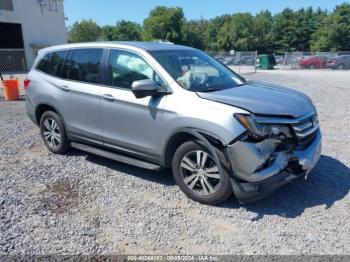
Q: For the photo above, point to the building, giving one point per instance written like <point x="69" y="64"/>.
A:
<point x="27" y="26"/>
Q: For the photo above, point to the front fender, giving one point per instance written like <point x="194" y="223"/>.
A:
<point x="200" y="135"/>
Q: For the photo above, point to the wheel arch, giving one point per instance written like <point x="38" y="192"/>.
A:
<point x="186" y="134"/>
<point x="41" y="109"/>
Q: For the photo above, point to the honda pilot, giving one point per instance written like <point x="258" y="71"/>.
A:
<point x="160" y="105"/>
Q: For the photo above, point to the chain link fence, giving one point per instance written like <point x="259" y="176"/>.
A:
<point x="12" y="61"/>
<point x="246" y="62"/>
<point x="240" y="62"/>
<point x="316" y="60"/>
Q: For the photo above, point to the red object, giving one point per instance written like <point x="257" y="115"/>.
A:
<point x="313" y="62"/>
<point x="11" y="90"/>
<point x="26" y="83"/>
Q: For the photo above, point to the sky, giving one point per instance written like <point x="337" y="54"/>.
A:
<point x="110" y="11"/>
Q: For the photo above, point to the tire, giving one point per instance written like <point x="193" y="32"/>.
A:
<point x="312" y="67"/>
<point x="53" y="133"/>
<point x="341" y="66"/>
<point x="195" y="185"/>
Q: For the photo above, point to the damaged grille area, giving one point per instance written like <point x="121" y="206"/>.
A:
<point x="306" y="130"/>
<point x="290" y="147"/>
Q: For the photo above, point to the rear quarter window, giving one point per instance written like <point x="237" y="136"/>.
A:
<point x="52" y="63"/>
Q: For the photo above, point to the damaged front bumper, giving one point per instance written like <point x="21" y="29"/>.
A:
<point x="261" y="168"/>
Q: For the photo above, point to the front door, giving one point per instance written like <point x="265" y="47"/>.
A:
<point x="130" y="124"/>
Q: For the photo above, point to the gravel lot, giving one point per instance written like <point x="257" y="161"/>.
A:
<point x="84" y="204"/>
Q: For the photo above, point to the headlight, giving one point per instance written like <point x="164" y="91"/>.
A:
<point x="257" y="130"/>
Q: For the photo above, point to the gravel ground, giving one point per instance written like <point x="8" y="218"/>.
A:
<point x="84" y="204"/>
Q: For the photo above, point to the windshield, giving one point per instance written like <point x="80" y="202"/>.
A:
<point x="196" y="71"/>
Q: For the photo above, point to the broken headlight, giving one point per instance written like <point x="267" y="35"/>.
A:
<point x="257" y="130"/>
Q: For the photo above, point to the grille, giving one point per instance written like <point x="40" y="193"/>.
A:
<point x="305" y="131"/>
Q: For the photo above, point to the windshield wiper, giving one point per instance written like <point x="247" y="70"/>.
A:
<point x="209" y="90"/>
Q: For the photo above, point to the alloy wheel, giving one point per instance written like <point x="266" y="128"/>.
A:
<point x="51" y="132"/>
<point x="200" y="172"/>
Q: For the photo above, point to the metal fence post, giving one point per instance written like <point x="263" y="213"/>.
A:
<point x="284" y="60"/>
<point x="255" y="60"/>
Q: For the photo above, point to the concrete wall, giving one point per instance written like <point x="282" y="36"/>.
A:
<point x="43" y="23"/>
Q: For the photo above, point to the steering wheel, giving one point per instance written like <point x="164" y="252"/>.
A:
<point x="201" y="78"/>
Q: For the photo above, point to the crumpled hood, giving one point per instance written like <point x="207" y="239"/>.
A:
<point x="263" y="99"/>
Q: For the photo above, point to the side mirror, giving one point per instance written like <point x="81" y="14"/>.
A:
<point x="143" y="88"/>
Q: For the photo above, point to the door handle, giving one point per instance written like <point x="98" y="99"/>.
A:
<point x="108" y="97"/>
<point x="64" y="88"/>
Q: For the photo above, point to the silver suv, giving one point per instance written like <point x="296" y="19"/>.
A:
<point x="158" y="105"/>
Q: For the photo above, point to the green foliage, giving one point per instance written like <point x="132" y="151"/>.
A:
<point x="212" y="31"/>
<point x="164" y="23"/>
<point x="305" y="27"/>
<point x="236" y="33"/>
<point x="194" y="33"/>
<point x="263" y="35"/>
<point x="122" y="31"/>
<point x="84" y="31"/>
<point x="284" y="31"/>
<point x="334" y="32"/>
<point x="301" y="30"/>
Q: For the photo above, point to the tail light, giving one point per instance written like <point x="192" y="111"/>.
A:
<point x="26" y="83"/>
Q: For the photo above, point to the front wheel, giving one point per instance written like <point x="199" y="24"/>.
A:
<point x="197" y="174"/>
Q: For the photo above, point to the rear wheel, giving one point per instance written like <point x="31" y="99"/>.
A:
<point x="53" y="133"/>
<point x="197" y="174"/>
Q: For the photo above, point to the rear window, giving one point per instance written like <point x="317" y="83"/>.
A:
<point x="52" y="63"/>
<point x="85" y="65"/>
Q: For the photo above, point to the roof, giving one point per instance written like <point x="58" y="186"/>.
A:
<point x="147" y="46"/>
<point x="152" y="46"/>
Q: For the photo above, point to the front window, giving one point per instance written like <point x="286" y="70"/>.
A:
<point x="197" y="71"/>
<point x="125" y="67"/>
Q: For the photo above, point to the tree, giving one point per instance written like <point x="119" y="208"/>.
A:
<point x="284" y="31"/>
<point x="122" y="31"/>
<point x="302" y="30"/>
<point x="164" y="23"/>
<point x="212" y="31"/>
<point x="193" y="33"/>
<point x="334" y="32"/>
<point x="263" y="22"/>
<point x="305" y="27"/>
<point x="85" y="31"/>
<point x="236" y="33"/>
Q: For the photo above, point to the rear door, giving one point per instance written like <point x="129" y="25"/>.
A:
<point x="130" y="124"/>
<point x="80" y="93"/>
